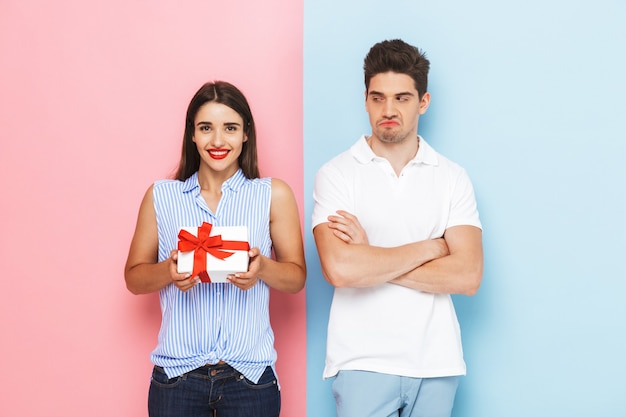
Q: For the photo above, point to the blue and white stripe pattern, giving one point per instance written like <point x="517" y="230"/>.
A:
<point x="216" y="321"/>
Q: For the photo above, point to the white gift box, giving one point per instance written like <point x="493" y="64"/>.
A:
<point x="216" y="268"/>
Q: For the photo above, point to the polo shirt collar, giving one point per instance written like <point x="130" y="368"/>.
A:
<point x="425" y="154"/>
<point x="364" y="154"/>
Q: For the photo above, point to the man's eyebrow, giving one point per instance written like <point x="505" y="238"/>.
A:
<point x="378" y="93"/>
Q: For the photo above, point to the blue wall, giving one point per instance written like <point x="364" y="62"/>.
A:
<point x="530" y="98"/>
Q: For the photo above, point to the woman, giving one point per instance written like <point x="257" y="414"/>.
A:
<point x="215" y="352"/>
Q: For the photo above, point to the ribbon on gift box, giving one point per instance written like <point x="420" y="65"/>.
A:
<point x="203" y="244"/>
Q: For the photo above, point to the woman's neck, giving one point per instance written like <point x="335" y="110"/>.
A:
<point x="212" y="180"/>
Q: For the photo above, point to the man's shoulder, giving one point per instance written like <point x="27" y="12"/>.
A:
<point x="439" y="159"/>
<point x="340" y="159"/>
<point x="449" y="163"/>
<point x="347" y="157"/>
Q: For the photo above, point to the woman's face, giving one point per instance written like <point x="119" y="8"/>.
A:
<point x="219" y="135"/>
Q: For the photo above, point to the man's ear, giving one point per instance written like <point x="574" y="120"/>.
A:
<point x="424" y="103"/>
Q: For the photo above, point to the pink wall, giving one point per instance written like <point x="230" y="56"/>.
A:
<point x="92" y="102"/>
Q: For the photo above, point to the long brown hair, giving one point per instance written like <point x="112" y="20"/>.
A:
<point x="229" y="95"/>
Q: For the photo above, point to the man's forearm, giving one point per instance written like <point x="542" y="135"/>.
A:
<point x="359" y="265"/>
<point x="458" y="273"/>
<point x="451" y="274"/>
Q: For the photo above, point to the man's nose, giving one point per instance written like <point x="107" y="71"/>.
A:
<point x="389" y="108"/>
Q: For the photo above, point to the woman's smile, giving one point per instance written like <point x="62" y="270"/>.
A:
<point x="218" y="153"/>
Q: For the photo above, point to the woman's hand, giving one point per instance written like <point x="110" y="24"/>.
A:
<point x="247" y="280"/>
<point x="183" y="282"/>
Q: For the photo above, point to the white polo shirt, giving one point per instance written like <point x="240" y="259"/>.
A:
<point x="389" y="328"/>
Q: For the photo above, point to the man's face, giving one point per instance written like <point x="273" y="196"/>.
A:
<point x="394" y="107"/>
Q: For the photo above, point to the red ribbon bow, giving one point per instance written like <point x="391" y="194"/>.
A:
<point x="203" y="244"/>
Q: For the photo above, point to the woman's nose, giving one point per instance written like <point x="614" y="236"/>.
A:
<point x="218" y="138"/>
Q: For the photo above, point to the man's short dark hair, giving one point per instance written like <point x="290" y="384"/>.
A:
<point x="399" y="57"/>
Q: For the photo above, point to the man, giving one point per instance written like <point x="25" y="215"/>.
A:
<point x="397" y="232"/>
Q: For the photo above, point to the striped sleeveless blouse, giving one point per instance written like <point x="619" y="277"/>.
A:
<point x="217" y="321"/>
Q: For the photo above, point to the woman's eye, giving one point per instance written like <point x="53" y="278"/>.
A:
<point x="205" y="128"/>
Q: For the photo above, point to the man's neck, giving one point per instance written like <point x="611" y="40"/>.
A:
<point x="398" y="154"/>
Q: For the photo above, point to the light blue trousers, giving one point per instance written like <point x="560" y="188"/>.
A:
<point x="372" y="394"/>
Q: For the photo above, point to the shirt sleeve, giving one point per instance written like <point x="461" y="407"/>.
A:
<point x="463" y="209"/>
<point x="330" y="194"/>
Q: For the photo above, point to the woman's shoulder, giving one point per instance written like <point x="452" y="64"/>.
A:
<point x="281" y="189"/>
<point x="259" y="182"/>
<point x="167" y="181"/>
<point x="167" y="184"/>
<point x="172" y="188"/>
<point x="189" y="183"/>
<point x="276" y="184"/>
<point x="277" y="187"/>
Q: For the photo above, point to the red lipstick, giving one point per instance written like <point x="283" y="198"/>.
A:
<point x="218" y="153"/>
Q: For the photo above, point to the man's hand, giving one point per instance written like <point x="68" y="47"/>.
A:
<point x="346" y="227"/>
<point x="456" y="268"/>
<point x="360" y="264"/>
<point x="439" y="248"/>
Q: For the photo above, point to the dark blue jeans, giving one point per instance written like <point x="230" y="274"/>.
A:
<point x="216" y="390"/>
